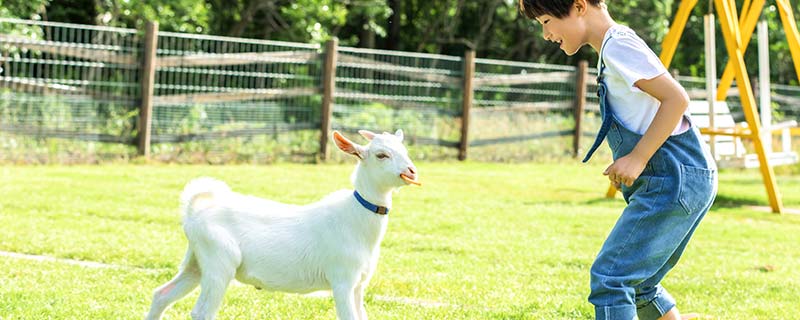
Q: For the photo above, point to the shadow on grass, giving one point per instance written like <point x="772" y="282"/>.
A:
<point x="723" y="201"/>
<point x="605" y="201"/>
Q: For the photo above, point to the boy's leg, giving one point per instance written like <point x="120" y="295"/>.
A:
<point x="652" y="300"/>
<point x="644" y="239"/>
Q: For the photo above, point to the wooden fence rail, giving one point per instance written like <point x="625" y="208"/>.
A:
<point x="466" y="83"/>
<point x="149" y="64"/>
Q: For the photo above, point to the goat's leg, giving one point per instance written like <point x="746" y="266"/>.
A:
<point x="184" y="282"/>
<point x="358" y="296"/>
<point x="212" y="291"/>
<point x="344" y="298"/>
<point x="218" y="259"/>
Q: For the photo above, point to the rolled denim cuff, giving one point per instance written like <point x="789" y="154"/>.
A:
<point x="661" y="304"/>
<point x="626" y="312"/>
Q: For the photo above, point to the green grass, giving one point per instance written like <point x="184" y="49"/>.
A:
<point x="477" y="241"/>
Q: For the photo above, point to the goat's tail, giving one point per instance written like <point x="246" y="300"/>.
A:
<point x="202" y="193"/>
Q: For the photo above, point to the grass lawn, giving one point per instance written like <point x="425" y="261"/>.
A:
<point x="477" y="241"/>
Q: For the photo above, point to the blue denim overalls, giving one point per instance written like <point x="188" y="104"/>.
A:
<point x="665" y="205"/>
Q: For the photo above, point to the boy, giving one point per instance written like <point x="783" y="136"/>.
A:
<point x="662" y="166"/>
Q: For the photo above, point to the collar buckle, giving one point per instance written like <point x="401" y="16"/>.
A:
<point x="369" y="206"/>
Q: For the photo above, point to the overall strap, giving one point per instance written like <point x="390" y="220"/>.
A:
<point x="605" y="109"/>
<point x="603" y="61"/>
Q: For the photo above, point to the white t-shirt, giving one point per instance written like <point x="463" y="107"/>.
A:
<point x="628" y="59"/>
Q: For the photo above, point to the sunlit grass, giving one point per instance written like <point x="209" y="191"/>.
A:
<point x="477" y="241"/>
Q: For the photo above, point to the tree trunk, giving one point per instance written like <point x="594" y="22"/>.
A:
<point x="393" y="38"/>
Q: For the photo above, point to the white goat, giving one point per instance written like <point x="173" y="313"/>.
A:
<point x="332" y="244"/>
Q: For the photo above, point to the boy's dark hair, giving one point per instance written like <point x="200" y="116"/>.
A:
<point x="555" y="8"/>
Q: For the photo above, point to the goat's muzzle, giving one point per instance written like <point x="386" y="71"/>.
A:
<point x="410" y="179"/>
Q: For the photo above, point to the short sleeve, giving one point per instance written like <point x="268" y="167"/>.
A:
<point x="632" y="59"/>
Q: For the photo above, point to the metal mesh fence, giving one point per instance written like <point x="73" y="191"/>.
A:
<point x="787" y="99"/>
<point x="229" y="99"/>
<point x="382" y="90"/>
<point x="522" y="111"/>
<point x="68" y="91"/>
<point x="71" y="93"/>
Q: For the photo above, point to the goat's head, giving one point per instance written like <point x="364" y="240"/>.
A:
<point x="384" y="160"/>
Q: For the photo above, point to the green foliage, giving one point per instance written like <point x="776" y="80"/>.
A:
<point x="495" y="29"/>
<point x="23" y="9"/>
<point x="377" y="115"/>
<point x="315" y="19"/>
<point x="191" y="16"/>
<point x="74" y="11"/>
<point x="782" y="71"/>
<point x="19" y="30"/>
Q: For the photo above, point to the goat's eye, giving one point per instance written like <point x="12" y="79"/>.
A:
<point x="382" y="156"/>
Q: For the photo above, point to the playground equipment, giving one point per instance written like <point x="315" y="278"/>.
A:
<point x="729" y="151"/>
<point x="737" y="34"/>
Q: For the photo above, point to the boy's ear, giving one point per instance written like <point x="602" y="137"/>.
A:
<point x="348" y="146"/>
<point x="580" y="7"/>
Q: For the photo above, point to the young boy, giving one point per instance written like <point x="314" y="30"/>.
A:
<point x="662" y="166"/>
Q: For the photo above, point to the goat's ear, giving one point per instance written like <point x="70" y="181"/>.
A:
<point x="348" y="146"/>
<point x="399" y="134"/>
<point x="367" y="134"/>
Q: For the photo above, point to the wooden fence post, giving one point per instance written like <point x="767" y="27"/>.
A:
<point x="328" y="88"/>
<point x="580" y="104"/>
<point x="148" y="85"/>
<point x="466" y="102"/>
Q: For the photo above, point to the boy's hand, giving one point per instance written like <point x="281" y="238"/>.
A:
<point x="625" y="170"/>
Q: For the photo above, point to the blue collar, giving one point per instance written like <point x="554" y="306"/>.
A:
<point x="371" y="207"/>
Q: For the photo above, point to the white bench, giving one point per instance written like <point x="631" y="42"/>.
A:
<point x="729" y="150"/>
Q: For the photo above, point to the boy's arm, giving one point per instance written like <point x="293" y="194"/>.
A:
<point x="674" y="102"/>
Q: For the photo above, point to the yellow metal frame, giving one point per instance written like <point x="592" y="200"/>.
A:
<point x="792" y="36"/>
<point x="737" y="34"/>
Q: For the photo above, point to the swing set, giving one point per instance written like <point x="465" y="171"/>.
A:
<point x="737" y="33"/>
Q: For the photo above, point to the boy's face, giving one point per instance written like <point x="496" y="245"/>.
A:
<point x="567" y="31"/>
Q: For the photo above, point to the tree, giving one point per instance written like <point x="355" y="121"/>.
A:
<point x="493" y="28"/>
<point x="172" y="15"/>
<point x="74" y="11"/>
<point x="22" y="9"/>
